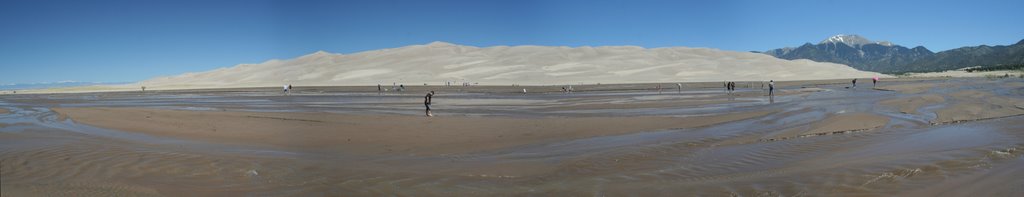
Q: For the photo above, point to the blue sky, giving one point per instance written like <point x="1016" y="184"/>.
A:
<point x="132" y="40"/>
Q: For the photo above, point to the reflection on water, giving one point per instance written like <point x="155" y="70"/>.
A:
<point x="44" y="154"/>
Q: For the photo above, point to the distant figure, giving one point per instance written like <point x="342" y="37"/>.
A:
<point x="854" y="82"/>
<point x="426" y="102"/>
<point x="771" y="88"/>
<point x="379" y="90"/>
<point x="680" y="85"/>
<point x="570" y="88"/>
<point x="285" y="89"/>
<point x="401" y="87"/>
<point x="874" y="82"/>
<point x="659" y="88"/>
<point x="143" y="88"/>
<point x="732" y="86"/>
<point x="524" y="90"/>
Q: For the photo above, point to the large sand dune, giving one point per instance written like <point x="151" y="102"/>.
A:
<point x="438" y="62"/>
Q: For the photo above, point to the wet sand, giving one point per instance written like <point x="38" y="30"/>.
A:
<point x="979" y="105"/>
<point x="906" y="137"/>
<point x="909" y="105"/>
<point x="378" y="134"/>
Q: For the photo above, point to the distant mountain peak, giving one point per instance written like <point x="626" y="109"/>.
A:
<point x="851" y="40"/>
<point x="846" y="39"/>
<point x="856" y="51"/>
<point x="886" y="57"/>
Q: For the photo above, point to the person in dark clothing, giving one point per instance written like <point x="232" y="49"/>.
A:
<point x="854" y="82"/>
<point x="426" y="102"/>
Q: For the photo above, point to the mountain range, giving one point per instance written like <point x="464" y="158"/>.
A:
<point x="440" y="62"/>
<point x="885" y="57"/>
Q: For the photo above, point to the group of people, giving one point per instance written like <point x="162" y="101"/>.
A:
<point x="381" y="90"/>
<point x="730" y="86"/>
<point x="874" y="82"/>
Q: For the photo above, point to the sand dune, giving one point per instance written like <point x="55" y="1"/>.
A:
<point x="439" y="62"/>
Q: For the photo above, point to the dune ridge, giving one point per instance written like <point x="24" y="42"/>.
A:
<point x="438" y="63"/>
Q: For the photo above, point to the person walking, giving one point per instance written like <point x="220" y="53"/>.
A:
<point x="874" y="82"/>
<point x="854" y="83"/>
<point x="680" y="85"/>
<point x="732" y="86"/>
<point x="771" y="88"/>
<point x="426" y="102"/>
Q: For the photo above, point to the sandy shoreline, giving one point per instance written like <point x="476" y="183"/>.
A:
<point x="818" y="138"/>
<point x="377" y="134"/>
<point x="979" y="105"/>
<point x="910" y="105"/>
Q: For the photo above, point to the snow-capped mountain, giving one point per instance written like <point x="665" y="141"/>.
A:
<point x="885" y="57"/>
<point x="857" y="52"/>
<point x="853" y="40"/>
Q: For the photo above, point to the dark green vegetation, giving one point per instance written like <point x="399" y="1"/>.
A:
<point x="996" y="68"/>
<point x="896" y="59"/>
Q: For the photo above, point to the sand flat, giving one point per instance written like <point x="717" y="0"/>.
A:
<point x="910" y="88"/>
<point x="909" y="105"/>
<point x="636" y="105"/>
<point x="837" y="124"/>
<point x="978" y="105"/>
<point x="378" y="133"/>
<point x="491" y="141"/>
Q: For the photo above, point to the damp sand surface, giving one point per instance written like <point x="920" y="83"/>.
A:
<point x="817" y="138"/>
